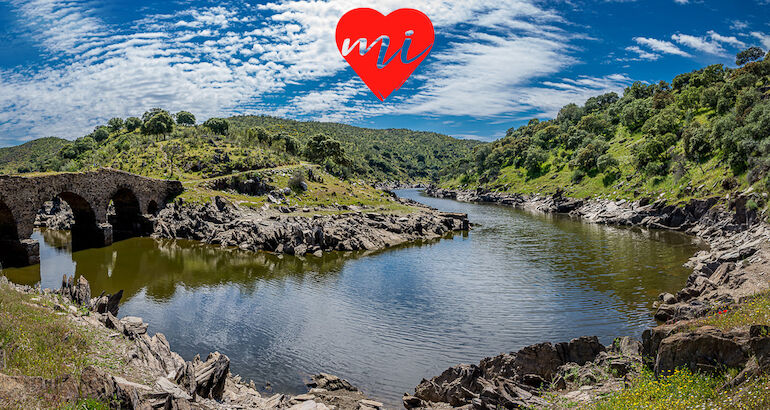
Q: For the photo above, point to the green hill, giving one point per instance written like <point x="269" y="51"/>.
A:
<point x="706" y="133"/>
<point x="395" y="154"/>
<point x="220" y="147"/>
<point x="31" y="156"/>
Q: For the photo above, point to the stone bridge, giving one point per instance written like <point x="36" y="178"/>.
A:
<point x="89" y="194"/>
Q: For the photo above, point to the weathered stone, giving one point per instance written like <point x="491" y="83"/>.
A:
<point x="211" y="375"/>
<point x="87" y="194"/>
<point x="706" y="349"/>
<point x="133" y="326"/>
<point x="330" y="382"/>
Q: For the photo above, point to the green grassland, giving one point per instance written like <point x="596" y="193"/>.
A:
<point x="327" y="194"/>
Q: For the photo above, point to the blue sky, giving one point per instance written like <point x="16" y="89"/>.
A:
<point x="67" y="66"/>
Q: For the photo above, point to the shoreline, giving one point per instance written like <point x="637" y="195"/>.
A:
<point x="563" y="374"/>
<point x="518" y="379"/>
<point x="152" y="374"/>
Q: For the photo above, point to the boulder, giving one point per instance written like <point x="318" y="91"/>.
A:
<point x="706" y="349"/>
<point x="133" y="326"/>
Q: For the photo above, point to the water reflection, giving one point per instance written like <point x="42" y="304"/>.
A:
<point x="384" y="320"/>
<point x="157" y="267"/>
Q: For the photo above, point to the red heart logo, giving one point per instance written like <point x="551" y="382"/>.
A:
<point x="384" y="50"/>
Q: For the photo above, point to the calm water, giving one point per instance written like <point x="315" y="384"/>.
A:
<point x="385" y="320"/>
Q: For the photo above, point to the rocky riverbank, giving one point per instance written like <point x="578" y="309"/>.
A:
<point x="733" y="267"/>
<point x="151" y="374"/>
<point x="730" y="273"/>
<point x="303" y="231"/>
<point x="285" y="230"/>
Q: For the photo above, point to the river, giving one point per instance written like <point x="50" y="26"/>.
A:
<point x="384" y="320"/>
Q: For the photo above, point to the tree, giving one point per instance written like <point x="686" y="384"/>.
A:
<point x="173" y="149"/>
<point x="748" y="55"/>
<point x="635" y="113"/>
<point x="160" y="123"/>
<point x="101" y="133"/>
<point x="115" y="124"/>
<point x="152" y="112"/>
<point x="133" y="124"/>
<point x="320" y="148"/>
<point x="535" y="157"/>
<point x="600" y="102"/>
<point x="217" y="125"/>
<point x="83" y="145"/>
<point x="185" y="118"/>
<point x="570" y="113"/>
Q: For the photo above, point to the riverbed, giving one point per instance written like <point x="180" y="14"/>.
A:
<point x="384" y="320"/>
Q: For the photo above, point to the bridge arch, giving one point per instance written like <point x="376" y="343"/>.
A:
<point x="152" y="208"/>
<point x="125" y="215"/>
<point x="86" y="232"/>
<point x="89" y="195"/>
<point x="9" y="237"/>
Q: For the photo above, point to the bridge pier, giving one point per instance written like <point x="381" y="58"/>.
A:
<point x="19" y="253"/>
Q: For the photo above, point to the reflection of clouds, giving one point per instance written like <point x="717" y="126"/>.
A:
<point x="386" y="319"/>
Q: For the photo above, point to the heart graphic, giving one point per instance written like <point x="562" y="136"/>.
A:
<point x="384" y="50"/>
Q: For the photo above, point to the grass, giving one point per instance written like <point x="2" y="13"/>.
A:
<point x="86" y="404"/>
<point x="38" y="342"/>
<point x="326" y="195"/>
<point x="684" y="389"/>
<point x="755" y="311"/>
<point x="680" y="390"/>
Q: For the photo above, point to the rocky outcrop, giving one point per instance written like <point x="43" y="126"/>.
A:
<point x="509" y="380"/>
<point x="223" y="223"/>
<point x="55" y="214"/>
<point x="705" y="349"/>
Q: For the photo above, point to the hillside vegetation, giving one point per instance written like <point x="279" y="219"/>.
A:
<point x="705" y="133"/>
<point x="171" y="146"/>
<point x="31" y="156"/>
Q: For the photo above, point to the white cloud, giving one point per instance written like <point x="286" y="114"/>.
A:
<point x="217" y="61"/>
<point x="699" y="43"/>
<point x="763" y="38"/>
<point x="731" y="40"/>
<point x="739" y="25"/>
<point x="711" y="44"/>
<point x="643" y="54"/>
<point x="662" y="46"/>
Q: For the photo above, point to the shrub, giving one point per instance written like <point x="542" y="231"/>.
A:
<point x="297" y="181"/>
<point x="605" y="162"/>
<point x="577" y="176"/>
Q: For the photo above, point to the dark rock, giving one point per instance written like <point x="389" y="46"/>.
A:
<point x="211" y="375"/>
<point x="412" y="402"/>
<point x="706" y="349"/>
